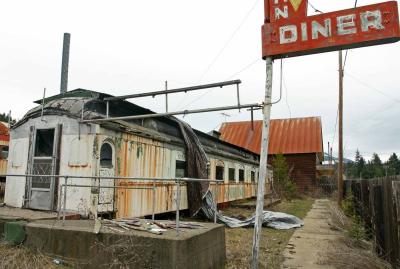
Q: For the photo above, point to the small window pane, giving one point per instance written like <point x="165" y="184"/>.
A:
<point x="241" y="175"/>
<point x="231" y="174"/>
<point x="180" y="170"/>
<point x="219" y="172"/>
<point x="44" y="143"/>
<point x="4" y="153"/>
<point x="253" y="176"/>
<point x="106" y="155"/>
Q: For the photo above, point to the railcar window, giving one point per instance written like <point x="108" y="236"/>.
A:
<point x="253" y="176"/>
<point x="241" y="175"/>
<point x="44" y="143"/>
<point x="219" y="172"/>
<point x="231" y="174"/>
<point x="4" y="153"/>
<point x="106" y="153"/>
<point x="180" y="169"/>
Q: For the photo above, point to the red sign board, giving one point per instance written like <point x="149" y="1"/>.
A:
<point x="289" y="32"/>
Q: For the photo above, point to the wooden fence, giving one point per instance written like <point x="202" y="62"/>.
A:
<point x="377" y="203"/>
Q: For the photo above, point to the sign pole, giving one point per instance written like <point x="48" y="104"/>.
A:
<point x="340" y="164"/>
<point x="263" y="171"/>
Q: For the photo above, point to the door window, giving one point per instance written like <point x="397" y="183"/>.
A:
<point x="106" y="154"/>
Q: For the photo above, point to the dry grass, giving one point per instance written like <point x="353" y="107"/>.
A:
<point x="273" y="242"/>
<point x="19" y="257"/>
<point x="349" y="253"/>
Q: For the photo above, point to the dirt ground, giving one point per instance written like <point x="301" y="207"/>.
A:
<point x="273" y="242"/>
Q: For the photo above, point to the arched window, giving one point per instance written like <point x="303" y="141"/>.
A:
<point x="106" y="155"/>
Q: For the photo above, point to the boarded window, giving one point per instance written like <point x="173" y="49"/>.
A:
<point x="219" y="172"/>
<point x="241" y="175"/>
<point x="180" y="169"/>
<point x="253" y="176"/>
<point x="231" y="174"/>
<point x="106" y="154"/>
<point x="44" y="143"/>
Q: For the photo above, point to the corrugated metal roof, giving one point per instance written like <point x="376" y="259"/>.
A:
<point x="287" y="136"/>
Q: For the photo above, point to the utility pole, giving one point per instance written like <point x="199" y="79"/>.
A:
<point x="263" y="165"/>
<point x="340" y="165"/>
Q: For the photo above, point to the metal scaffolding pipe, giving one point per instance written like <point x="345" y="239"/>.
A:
<point x="186" y="89"/>
<point x="183" y="112"/>
<point x="122" y="178"/>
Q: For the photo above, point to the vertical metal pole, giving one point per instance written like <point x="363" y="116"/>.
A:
<point x="215" y="202"/>
<point x="154" y="200"/>
<point x="65" y="197"/>
<point x="263" y="164"/>
<point x="44" y="96"/>
<point x="107" y="109"/>
<point x="178" y="200"/>
<point x="238" y="95"/>
<point x="166" y="97"/>
<point x="59" y="203"/>
<point x="340" y="165"/>
<point x="65" y="63"/>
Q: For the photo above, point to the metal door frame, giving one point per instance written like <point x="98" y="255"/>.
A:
<point x="113" y="168"/>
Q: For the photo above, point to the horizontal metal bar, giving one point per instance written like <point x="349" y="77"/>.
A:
<point x="122" y="178"/>
<point x="184" y="112"/>
<point x="186" y="89"/>
<point x="108" y="187"/>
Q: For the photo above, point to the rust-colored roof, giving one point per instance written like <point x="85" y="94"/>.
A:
<point x="4" y="133"/>
<point x="287" y="136"/>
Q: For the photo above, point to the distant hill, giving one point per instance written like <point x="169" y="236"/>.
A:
<point x="335" y="159"/>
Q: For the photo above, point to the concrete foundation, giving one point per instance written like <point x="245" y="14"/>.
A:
<point x="79" y="245"/>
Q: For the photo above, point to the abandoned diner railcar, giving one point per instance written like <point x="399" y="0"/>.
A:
<point x="51" y="139"/>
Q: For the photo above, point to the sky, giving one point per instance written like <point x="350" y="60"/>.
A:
<point x="126" y="47"/>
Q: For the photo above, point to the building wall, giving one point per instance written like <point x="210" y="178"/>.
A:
<point x="303" y="170"/>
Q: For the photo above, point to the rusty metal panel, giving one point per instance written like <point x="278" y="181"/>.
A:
<point x="287" y="136"/>
<point x="290" y="34"/>
<point x="3" y="167"/>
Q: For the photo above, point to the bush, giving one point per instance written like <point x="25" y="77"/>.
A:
<point x="348" y="205"/>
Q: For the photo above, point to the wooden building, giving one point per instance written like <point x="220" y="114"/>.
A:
<point x="298" y="139"/>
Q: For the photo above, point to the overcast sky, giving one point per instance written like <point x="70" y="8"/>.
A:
<point x="122" y="47"/>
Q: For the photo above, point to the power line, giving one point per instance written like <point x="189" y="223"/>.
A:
<point x="228" y="41"/>
<point x="345" y="57"/>
<point x="315" y="9"/>
<point x="210" y="90"/>
<point x="392" y="98"/>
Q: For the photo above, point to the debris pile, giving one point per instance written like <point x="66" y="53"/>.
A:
<point x="150" y="226"/>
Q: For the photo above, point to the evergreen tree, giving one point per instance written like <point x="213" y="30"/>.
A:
<point x="393" y="165"/>
<point x="377" y="166"/>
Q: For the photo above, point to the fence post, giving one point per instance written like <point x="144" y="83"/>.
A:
<point x="154" y="200"/>
<point x="178" y="200"/>
<point x="65" y="197"/>
<point x="216" y="202"/>
<point x="59" y="201"/>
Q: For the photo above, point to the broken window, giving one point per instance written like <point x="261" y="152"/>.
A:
<point x="231" y="174"/>
<point x="219" y="172"/>
<point x="44" y="143"/>
<point x="241" y="175"/>
<point x="180" y="169"/>
<point x="253" y="176"/>
<point x="106" y="154"/>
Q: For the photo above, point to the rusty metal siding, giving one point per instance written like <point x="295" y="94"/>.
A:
<point x="141" y="157"/>
<point x="3" y="167"/>
<point x="287" y="136"/>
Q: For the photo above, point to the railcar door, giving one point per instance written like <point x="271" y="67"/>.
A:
<point x="42" y="163"/>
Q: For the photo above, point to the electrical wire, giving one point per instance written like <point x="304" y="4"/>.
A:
<point x="315" y="9"/>
<point x="345" y="56"/>
<point x="392" y="98"/>
<point x="230" y="77"/>
<point x="228" y="41"/>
